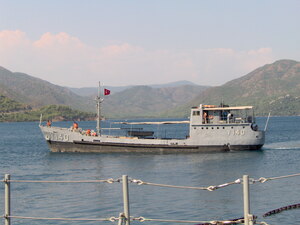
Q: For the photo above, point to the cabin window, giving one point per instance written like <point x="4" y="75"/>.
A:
<point x="196" y="113"/>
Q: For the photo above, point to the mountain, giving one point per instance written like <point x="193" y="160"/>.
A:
<point x="145" y="101"/>
<point x="173" y="84"/>
<point x="92" y="91"/>
<point x="26" y="89"/>
<point x="135" y="101"/>
<point x="271" y="88"/>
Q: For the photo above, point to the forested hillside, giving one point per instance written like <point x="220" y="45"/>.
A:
<point x="35" y="92"/>
<point x="271" y="88"/>
<point x="144" y="101"/>
<point x="19" y="113"/>
<point x="131" y="101"/>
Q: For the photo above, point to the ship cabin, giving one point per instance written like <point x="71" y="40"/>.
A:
<point x="207" y="115"/>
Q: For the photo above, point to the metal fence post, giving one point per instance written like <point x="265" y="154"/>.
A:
<point x="248" y="219"/>
<point x="121" y="219"/>
<point x="126" y="199"/>
<point x="7" y="199"/>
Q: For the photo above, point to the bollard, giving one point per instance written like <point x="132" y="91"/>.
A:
<point x="247" y="217"/>
<point x="7" y="199"/>
<point x="126" y="199"/>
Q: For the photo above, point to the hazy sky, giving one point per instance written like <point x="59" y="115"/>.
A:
<point x="78" y="43"/>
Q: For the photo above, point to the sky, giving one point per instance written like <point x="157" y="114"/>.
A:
<point x="77" y="43"/>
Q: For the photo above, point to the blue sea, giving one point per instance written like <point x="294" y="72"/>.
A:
<point x="24" y="155"/>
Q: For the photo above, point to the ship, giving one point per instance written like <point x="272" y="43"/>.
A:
<point x="211" y="129"/>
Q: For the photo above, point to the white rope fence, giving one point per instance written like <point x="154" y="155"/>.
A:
<point x="139" y="219"/>
<point x="140" y="182"/>
<point x="109" y="181"/>
<point x="217" y="222"/>
<point x="112" y="219"/>
<point x="263" y="179"/>
<point x="215" y="187"/>
<point x="125" y="218"/>
<point x="209" y="188"/>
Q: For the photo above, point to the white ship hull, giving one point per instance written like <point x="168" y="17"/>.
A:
<point x="211" y="128"/>
<point x="206" y="138"/>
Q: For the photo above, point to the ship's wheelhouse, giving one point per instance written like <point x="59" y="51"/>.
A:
<point x="211" y="114"/>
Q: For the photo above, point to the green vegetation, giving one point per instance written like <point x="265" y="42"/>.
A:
<point x="271" y="88"/>
<point x="51" y="112"/>
<point x="282" y="106"/>
<point x="61" y="112"/>
<point x="8" y="105"/>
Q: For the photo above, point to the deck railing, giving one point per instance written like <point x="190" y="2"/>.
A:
<point x="124" y="217"/>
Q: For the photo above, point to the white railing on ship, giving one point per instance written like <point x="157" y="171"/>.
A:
<point x="125" y="218"/>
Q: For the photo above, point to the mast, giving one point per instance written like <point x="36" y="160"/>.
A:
<point x="98" y="100"/>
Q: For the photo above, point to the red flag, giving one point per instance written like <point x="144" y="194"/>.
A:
<point x="106" y="92"/>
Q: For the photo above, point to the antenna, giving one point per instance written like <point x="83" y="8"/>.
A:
<point x="41" y="118"/>
<point x="267" y="121"/>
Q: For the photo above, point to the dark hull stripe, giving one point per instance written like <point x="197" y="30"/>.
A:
<point x="134" y="145"/>
<point x="102" y="147"/>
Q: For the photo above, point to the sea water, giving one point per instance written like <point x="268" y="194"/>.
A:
<point x="25" y="155"/>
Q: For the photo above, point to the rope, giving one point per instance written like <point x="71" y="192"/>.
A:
<point x="263" y="179"/>
<point x="209" y="188"/>
<point x="112" y="219"/>
<point x="140" y="182"/>
<point x="110" y="181"/>
<point x="140" y="219"/>
<point x="216" y="222"/>
<point x="279" y="210"/>
<point x="232" y="221"/>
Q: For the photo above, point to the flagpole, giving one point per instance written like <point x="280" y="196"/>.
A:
<point x="98" y="99"/>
